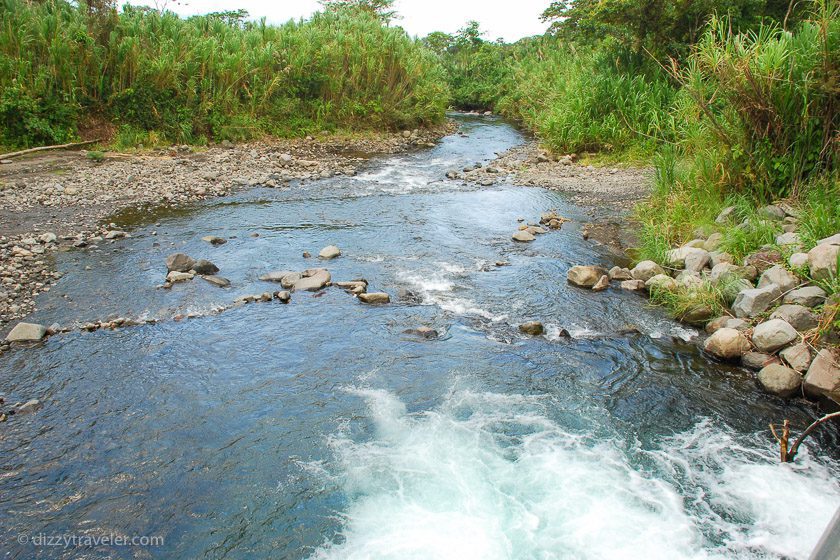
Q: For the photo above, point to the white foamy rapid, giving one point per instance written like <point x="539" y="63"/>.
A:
<point x="488" y="476"/>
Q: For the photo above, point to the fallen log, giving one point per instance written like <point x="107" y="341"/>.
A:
<point x="45" y="148"/>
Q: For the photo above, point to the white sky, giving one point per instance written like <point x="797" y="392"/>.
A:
<point x="511" y="20"/>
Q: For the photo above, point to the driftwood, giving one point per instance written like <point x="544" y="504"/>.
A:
<point x="45" y="148"/>
<point x="788" y="455"/>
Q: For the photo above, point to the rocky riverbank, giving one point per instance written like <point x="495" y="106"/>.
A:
<point x="66" y="200"/>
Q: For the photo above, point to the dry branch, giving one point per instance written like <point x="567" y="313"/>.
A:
<point x="45" y="148"/>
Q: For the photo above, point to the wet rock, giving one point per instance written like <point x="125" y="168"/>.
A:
<point x="115" y="234"/>
<point x="329" y="252"/>
<point x="602" y="284"/>
<point x="283" y="296"/>
<point x="758" y="360"/>
<point x="375" y="297"/>
<point x="312" y="280"/>
<point x="422" y="332"/>
<point x="646" y="270"/>
<point x="780" y="276"/>
<point x="532" y="328"/>
<point x="523" y="236"/>
<point x="809" y="296"/>
<point x="585" y="276"/>
<point x="179" y="262"/>
<point x="203" y="266"/>
<point x="214" y="240"/>
<point x="797" y="357"/>
<point x="773" y="335"/>
<point x="727" y="344"/>
<point x="799" y="317"/>
<point x="633" y="285"/>
<point x="26" y="332"/>
<point x="822" y="261"/>
<point x="218" y="281"/>
<point x="30" y="406"/>
<point x="823" y="377"/>
<point x="307" y="255"/>
<point x="779" y="380"/>
<point x="661" y="282"/>
<point x="620" y="274"/>
<point x="721" y="257"/>
<point x="176" y="276"/>
<point x="277" y="275"/>
<point x="750" y="303"/>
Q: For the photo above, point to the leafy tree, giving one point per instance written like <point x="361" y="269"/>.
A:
<point x="383" y="9"/>
<point x="439" y="42"/>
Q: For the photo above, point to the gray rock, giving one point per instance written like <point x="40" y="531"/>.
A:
<point x="523" y="236"/>
<point x="533" y="328"/>
<point x="312" y="280"/>
<point x="758" y="360"/>
<point x="26" y="332"/>
<point x="780" y="276"/>
<point x="809" y="296"/>
<point x="214" y="240"/>
<point x="329" y="252"/>
<point x="798" y="260"/>
<point x="375" y="297"/>
<point x="203" y="266"/>
<point x="48" y="237"/>
<point x="779" y="380"/>
<point x="602" y="284"/>
<point x="697" y="315"/>
<point x="289" y="280"/>
<point x="716" y="324"/>
<point x="727" y="215"/>
<point x="773" y="212"/>
<point x="646" y="270"/>
<point x="218" y="281"/>
<point x="283" y="296"/>
<point x="721" y="257"/>
<point x="737" y="324"/>
<point x="799" y="317"/>
<point x="797" y="357"/>
<point x="276" y="275"/>
<point x="633" y="285"/>
<point x="179" y="262"/>
<point x="762" y="260"/>
<point x="823" y="377"/>
<point x="833" y="240"/>
<point x="620" y="274"/>
<point x="773" y="334"/>
<point x="713" y="242"/>
<point x="750" y="303"/>
<point x="585" y="276"/>
<point x="423" y="332"/>
<point x="789" y="239"/>
<point x="692" y="258"/>
<point x="115" y="234"/>
<point x="822" y="260"/>
<point x="727" y="344"/>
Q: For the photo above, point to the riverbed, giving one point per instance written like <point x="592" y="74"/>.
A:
<point x="322" y="429"/>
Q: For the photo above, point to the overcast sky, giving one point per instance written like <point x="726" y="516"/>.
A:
<point x="511" y="19"/>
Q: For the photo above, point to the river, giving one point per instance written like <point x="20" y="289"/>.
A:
<point x="320" y="429"/>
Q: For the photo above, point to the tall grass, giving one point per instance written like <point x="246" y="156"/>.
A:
<point x="188" y="79"/>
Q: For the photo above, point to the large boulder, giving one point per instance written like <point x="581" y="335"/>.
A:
<point x="750" y="303"/>
<point x="312" y="280"/>
<point x="26" y="332"/>
<point x="727" y="344"/>
<point x="329" y="252"/>
<point x="179" y="262"/>
<point x="809" y="296"/>
<point x="646" y="270"/>
<point x="800" y="317"/>
<point x="823" y="377"/>
<point x="214" y="240"/>
<point x="585" y="276"/>
<point x="773" y="334"/>
<point x="780" y="276"/>
<point x="798" y="357"/>
<point x="779" y="380"/>
<point x="822" y="260"/>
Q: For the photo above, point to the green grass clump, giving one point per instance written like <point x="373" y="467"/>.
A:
<point x="96" y="156"/>
<point x="187" y="80"/>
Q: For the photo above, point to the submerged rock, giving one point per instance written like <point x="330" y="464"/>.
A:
<point x="214" y="240"/>
<point x="533" y="328"/>
<point x="312" y="280"/>
<point x="203" y="266"/>
<point x="30" y="406"/>
<point x="276" y="275"/>
<point x="375" y="297"/>
<point x="218" y="281"/>
<point x="329" y="252"/>
<point x="26" y="332"/>
<point x="523" y="236"/>
<point x="422" y="332"/>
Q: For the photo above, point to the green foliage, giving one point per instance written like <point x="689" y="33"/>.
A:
<point x="209" y="76"/>
<point x="96" y="156"/>
<point x="820" y="210"/>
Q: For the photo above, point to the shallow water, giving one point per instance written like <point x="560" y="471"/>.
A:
<point x="319" y="429"/>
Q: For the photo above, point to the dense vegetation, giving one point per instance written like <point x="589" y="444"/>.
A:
<point x="158" y="77"/>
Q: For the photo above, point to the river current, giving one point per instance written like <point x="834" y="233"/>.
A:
<point x="320" y="429"/>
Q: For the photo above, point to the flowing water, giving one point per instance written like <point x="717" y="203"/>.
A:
<point x="320" y="429"/>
